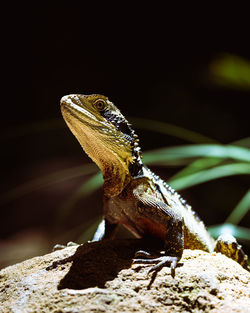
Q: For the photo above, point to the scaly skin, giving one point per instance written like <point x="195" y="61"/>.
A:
<point x="133" y="195"/>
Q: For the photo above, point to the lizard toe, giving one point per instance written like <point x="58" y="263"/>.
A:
<point x="164" y="261"/>
<point x="159" y="262"/>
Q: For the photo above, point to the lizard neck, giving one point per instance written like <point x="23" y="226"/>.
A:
<point x="117" y="175"/>
<point x="115" y="180"/>
<point x="106" y="136"/>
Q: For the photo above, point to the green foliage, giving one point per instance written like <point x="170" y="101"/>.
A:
<point x="32" y="128"/>
<point x="197" y="151"/>
<point x="89" y="186"/>
<point x="240" y="210"/>
<point x="205" y="159"/>
<point x="203" y="163"/>
<point x="46" y="181"/>
<point x="200" y="177"/>
<point x="237" y="231"/>
<point x="171" y="130"/>
<point x="231" y="71"/>
<point x="212" y="161"/>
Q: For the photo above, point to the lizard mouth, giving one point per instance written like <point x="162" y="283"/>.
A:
<point x="73" y="110"/>
<point x="73" y="104"/>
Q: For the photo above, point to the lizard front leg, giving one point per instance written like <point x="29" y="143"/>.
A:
<point x="174" y="245"/>
<point x="105" y="230"/>
<point x="160" y="213"/>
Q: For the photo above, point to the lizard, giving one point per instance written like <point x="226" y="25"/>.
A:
<point x="132" y="194"/>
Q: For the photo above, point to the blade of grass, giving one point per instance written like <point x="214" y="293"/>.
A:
<point x="244" y="142"/>
<point x="31" y="128"/>
<point x="152" y="125"/>
<point x="174" y="162"/>
<point x="194" y="151"/>
<point x="207" y="162"/>
<point x="240" y="210"/>
<point x="90" y="231"/>
<point x="89" y="186"/>
<point x="232" y="71"/>
<point x="210" y="174"/>
<point x="170" y="129"/>
<point x="198" y="165"/>
<point x="237" y="231"/>
<point x="72" y="234"/>
<point x="47" y="180"/>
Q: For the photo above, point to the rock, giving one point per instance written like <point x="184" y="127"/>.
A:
<point x="98" y="277"/>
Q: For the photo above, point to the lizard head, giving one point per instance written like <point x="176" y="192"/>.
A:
<point x="103" y="132"/>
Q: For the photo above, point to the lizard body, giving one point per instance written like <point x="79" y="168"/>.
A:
<point x="133" y="195"/>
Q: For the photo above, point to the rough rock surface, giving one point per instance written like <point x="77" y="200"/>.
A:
<point x="98" y="277"/>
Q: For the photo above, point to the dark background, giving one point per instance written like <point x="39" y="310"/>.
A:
<point x="152" y="62"/>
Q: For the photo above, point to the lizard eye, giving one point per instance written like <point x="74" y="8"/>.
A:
<point x="100" y="104"/>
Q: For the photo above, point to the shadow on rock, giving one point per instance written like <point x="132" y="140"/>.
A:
<point x="95" y="263"/>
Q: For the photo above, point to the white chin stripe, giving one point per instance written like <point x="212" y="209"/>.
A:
<point x="68" y="101"/>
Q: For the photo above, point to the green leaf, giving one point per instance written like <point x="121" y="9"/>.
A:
<point x="90" y="230"/>
<point x="79" y="233"/>
<point x="231" y="71"/>
<point x="207" y="162"/>
<point x="32" y="128"/>
<point x="170" y="129"/>
<point x="237" y="231"/>
<point x="244" y="142"/>
<point x="46" y="181"/>
<point x="195" y="151"/>
<point x="240" y="210"/>
<point x="89" y="186"/>
<point x="198" y="165"/>
<point x="210" y="174"/>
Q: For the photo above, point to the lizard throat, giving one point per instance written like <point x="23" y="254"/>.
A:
<point x="108" y="139"/>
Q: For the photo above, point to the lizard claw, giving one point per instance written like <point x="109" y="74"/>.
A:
<point x="159" y="262"/>
<point x="163" y="261"/>
<point x="145" y="254"/>
<point x="60" y="247"/>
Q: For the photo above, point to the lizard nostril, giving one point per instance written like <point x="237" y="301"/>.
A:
<point x="66" y="99"/>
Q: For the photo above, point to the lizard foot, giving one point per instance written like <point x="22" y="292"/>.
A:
<point x="160" y="262"/>
<point x="60" y="247"/>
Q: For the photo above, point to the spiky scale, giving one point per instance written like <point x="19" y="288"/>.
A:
<point x="133" y="195"/>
